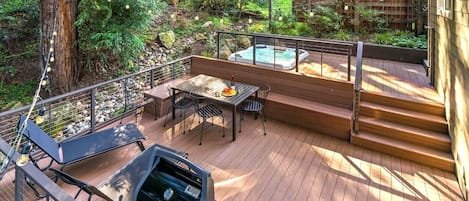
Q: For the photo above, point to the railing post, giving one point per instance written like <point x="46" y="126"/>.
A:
<point x="218" y="45"/>
<point x="322" y="52"/>
<point x="19" y="184"/>
<point x="93" y="110"/>
<point x="297" y="63"/>
<point x="152" y="77"/>
<point x="253" y="51"/>
<point x="357" y="89"/>
<point x="349" y="52"/>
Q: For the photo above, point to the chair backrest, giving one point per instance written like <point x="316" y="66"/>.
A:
<point x="263" y="92"/>
<point x="41" y="139"/>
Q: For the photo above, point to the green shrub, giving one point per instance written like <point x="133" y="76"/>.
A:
<point x="401" y="39"/>
<point x="259" y="27"/>
<point x="112" y="32"/>
<point x="371" y="20"/>
<point x="19" y="19"/>
<point x="19" y="94"/>
<point x="325" y="20"/>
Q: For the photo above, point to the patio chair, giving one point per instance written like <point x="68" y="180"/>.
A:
<point x="181" y="102"/>
<point x="147" y="176"/>
<point x="256" y="105"/>
<point x="84" y="147"/>
<point x="206" y="112"/>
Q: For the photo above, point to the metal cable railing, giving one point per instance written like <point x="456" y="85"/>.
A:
<point x="357" y="89"/>
<point x="82" y="111"/>
<point x="280" y="42"/>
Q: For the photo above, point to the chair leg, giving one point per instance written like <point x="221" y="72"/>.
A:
<point x="184" y="122"/>
<point x="223" y="126"/>
<point x="263" y="121"/>
<point x="240" y="119"/>
<point x="202" y="131"/>
<point x="167" y="115"/>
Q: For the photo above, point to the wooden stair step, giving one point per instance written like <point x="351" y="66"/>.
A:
<point x="422" y="106"/>
<point x="423" y="155"/>
<point x="427" y="138"/>
<point x="403" y="116"/>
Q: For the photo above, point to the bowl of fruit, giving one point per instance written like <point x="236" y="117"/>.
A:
<point x="229" y="92"/>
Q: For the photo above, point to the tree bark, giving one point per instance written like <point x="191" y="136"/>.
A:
<point x="61" y="15"/>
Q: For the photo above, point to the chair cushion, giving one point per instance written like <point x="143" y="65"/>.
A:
<point x="252" y="106"/>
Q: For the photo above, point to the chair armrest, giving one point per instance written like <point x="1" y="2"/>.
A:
<point x="68" y="179"/>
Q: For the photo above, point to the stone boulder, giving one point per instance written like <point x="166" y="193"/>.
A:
<point x="167" y="39"/>
<point x="244" y="42"/>
<point x="225" y="52"/>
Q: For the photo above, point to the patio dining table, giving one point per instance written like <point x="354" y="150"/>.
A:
<point x="211" y="88"/>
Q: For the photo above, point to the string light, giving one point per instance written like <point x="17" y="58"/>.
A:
<point x="346" y="7"/>
<point x="44" y="81"/>
<point x="48" y="69"/>
<point x="196" y="17"/>
<point x="51" y="49"/>
<point x="149" y="12"/>
<point x="108" y="0"/>
<point x="54" y="33"/>
<point x="249" y="21"/>
<point x="280" y="18"/>
<point x="52" y="59"/>
<point x="51" y="41"/>
<point x="173" y="16"/>
<point x="311" y="14"/>
<point x="127" y="6"/>
<point x="40" y="117"/>
<point x="24" y="157"/>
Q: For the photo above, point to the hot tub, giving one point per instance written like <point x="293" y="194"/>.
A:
<point x="270" y="56"/>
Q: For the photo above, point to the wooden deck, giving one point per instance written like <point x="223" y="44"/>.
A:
<point x="290" y="163"/>
<point x="397" y="79"/>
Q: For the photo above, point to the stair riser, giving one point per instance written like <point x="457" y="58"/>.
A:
<point x="433" y="109"/>
<point x="423" y="159"/>
<point x="405" y="136"/>
<point x="405" y="120"/>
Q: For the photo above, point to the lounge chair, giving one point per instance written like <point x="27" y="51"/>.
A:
<point x="147" y="176"/>
<point x="87" y="146"/>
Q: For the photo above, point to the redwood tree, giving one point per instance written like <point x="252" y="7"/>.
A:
<point x="60" y="15"/>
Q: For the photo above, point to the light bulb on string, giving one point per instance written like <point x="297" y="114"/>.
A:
<point x="52" y="59"/>
<point x="311" y="14"/>
<point x="40" y="117"/>
<point x="45" y="81"/>
<point x="48" y="69"/>
<point x="196" y="17"/>
<point x="127" y="6"/>
<point x="24" y="154"/>
<point x="280" y="18"/>
<point x="54" y="33"/>
<point x="51" y="42"/>
<point x="51" y="49"/>
<point x="149" y="12"/>
<point x="249" y="21"/>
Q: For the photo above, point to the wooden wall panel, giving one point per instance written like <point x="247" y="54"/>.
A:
<point x="292" y="84"/>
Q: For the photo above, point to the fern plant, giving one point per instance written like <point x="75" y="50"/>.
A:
<point x="112" y="32"/>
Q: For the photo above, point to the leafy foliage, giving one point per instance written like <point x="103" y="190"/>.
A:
<point x="113" y="31"/>
<point x="19" y="19"/>
<point x="20" y="94"/>
<point x="401" y="39"/>
<point x="324" y="20"/>
<point x="373" y="19"/>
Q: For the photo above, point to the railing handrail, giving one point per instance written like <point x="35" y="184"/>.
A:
<point x="357" y="88"/>
<point x="335" y="47"/>
<point x="276" y="36"/>
<point x="34" y="174"/>
<point x="89" y="88"/>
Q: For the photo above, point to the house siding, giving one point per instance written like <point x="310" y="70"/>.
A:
<point x="452" y="79"/>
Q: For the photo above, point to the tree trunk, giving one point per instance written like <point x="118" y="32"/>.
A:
<point x="61" y="15"/>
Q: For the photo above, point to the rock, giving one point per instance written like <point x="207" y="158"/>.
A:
<point x="225" y="52"/>
<point x="200" y="36"/>
<point x="167" y="39"/>
<point x="244" y="42"/>
<point x="207" y="24"/>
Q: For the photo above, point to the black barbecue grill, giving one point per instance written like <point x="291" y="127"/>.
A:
<point x="160" y="173"/>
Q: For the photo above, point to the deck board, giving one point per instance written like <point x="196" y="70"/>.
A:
<point x="289" y="163"/>
<point x="391" y="78"/>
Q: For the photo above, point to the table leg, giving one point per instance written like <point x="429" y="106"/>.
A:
<point x="234" y="123"/>
<point x="173" y="99"/>
<point x="255" y="113"/>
